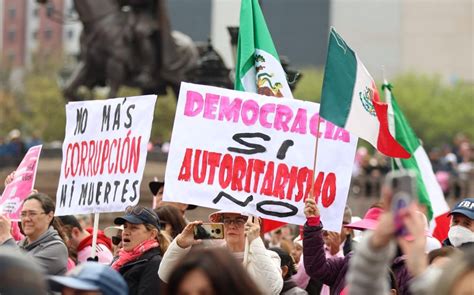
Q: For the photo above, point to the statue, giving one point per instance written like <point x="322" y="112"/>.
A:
<point x="130" y="42"/>
<point x="134" y="47"/>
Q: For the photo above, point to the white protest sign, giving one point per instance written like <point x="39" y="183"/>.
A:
<point x="104" y="154"/>
<point x="254" y="154"/>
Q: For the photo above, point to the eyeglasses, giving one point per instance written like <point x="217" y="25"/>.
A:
<point x="239" y="222"/>
<point x="30" y="214"/>
<point x="116" y="240"/>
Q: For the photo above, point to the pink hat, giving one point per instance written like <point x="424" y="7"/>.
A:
<point x="217" y="216"/>
<point x="370" y="220"/>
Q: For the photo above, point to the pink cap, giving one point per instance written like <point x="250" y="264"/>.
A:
<point x="370" y="220"/>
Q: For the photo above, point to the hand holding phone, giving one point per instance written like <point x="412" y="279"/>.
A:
<point x="208" y="231"/>
<point x="403" y="187"/>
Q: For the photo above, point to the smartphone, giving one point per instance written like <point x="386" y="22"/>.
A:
<point x="208" y="231"/>
<point x="403" y="186"/>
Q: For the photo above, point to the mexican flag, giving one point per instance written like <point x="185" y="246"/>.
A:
<point x="258" y="68"/>
<point x="429" y="190"/>
<point x="350" y="99"/>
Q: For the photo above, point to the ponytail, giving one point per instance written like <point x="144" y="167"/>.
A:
<point x="164" y="239"/>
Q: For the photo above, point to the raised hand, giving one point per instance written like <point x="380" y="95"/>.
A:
<point x="186" y="238"/>
<point x="252" y="228"/>
<point x="414" y="249"/>
<point x="9" y="178"/>
<point x="5" y="228"/>
<point x="310" y="208"/>
<point x="333" y="242"/>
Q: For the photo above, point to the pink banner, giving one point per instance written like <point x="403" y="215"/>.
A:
<point x="22" y="185"/>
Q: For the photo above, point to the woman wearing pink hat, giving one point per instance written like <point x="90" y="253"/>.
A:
<point x="262" y="265"/>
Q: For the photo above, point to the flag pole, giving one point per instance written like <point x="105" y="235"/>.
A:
<point x="153" y="205"/>
<point x="94" y="236"/>
<point x="315" y="157"/>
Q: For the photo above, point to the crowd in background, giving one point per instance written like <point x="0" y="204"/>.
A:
<point x="13" y="147"/>
<point x="154" y="251"/>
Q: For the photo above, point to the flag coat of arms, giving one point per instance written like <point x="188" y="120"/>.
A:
<point x="350" y="99"/>
<point x="429" y="191"/>
<point x="258" y="68"/>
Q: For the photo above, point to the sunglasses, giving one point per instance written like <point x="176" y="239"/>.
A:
<point x="116" y="240"/>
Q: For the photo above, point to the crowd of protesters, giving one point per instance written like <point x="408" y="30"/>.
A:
<point x="13" y="147"/>
<point x="154" y="251"/>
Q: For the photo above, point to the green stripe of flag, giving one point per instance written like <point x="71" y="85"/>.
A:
<point x="253" y="33"/>
<point x="339" y="80"/>
<point x="405" y="135"/>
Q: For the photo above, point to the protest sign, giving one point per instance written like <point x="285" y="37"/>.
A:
<point x="104" y="154"/>
<point x="253" y="154"/>
<point x="22" y="184"/>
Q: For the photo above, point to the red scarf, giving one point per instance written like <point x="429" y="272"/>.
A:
<point x="127" y="256"/>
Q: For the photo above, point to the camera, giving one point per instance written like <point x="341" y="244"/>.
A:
<point x="208" y="231"/>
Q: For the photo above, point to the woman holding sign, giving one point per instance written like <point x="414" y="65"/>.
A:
<point x="262" y="265"/>
<point x="43" y="234"/>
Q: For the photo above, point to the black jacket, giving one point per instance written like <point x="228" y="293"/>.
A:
<point x="141" y="275"/>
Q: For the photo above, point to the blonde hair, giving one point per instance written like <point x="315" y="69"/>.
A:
<point x="163" y="238"/>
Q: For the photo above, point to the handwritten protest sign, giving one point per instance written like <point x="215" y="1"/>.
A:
<point x="22" y="185"/>
<point x="104" y="154"/>
<point x="254" y="154"/>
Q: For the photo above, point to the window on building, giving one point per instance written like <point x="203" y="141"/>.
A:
<point x="36" y="12"/>
<point x="48" y="34"/>
<point x="34" y="35"/>
<point x="12" y="12"/>
<point x="11" y="35"/>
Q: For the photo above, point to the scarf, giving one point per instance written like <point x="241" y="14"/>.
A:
<point x="126" y="256"/>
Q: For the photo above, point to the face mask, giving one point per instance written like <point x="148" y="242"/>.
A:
<point x="459" y="235"/>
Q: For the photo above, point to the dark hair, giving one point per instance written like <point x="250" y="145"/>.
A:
<point x="172" y="216"/>
<point x="226" y="274"/>
<point x="70" y="220"/>
<point x="48" y="206"/>
<point x="286" y="260"/>
<point x="442" y="252"/>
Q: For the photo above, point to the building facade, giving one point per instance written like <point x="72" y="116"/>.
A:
<point x="429" y="36"/>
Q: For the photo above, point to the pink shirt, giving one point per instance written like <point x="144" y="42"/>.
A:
<point x="301" y="278"/>
<point x="104" y="254"/>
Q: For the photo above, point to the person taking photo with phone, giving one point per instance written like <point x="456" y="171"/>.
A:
<point x="262" y="265"/>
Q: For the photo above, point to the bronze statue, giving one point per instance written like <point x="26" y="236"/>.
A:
<point x="133" y="47"/>
<point x="130" y="42"/>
